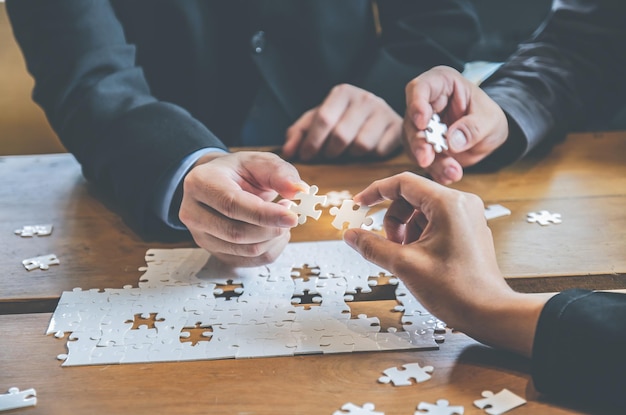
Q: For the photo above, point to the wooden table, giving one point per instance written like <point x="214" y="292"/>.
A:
<point x="583" y="178"/>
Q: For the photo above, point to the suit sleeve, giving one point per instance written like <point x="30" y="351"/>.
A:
<point x="565" y="78"/>
<point x="580" y="347"/>
<point x="99" y="103"/>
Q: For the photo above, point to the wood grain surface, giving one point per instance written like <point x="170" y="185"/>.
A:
<point x="583" y="178"/>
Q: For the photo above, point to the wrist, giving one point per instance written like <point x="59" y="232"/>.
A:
<point x="207" y="158"/>
<point x="510" y="322"/>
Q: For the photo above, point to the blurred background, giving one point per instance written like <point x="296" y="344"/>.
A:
<point x="24" y="128"/>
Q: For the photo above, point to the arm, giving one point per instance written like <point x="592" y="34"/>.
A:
<point x="99" y="103"/>
<point x="579" y="347"/>
<point x="568" y="75"/>
<point x="565" y="77"/>
<point x="438" y="243"/>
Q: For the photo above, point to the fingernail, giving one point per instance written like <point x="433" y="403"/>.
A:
<point x="350" y="237"/>
<point x="288" y="221"/>
<point x="458" y="140"/>
<point x="449" y="172"/>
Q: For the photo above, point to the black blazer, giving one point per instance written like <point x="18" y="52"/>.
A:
<point x="568" y="77"/>
<point x="133" y="86"/>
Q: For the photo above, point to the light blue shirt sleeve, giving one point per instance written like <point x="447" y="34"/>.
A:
<point x="163" y="198"/>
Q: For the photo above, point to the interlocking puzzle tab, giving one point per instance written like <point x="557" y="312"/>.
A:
<point x="32" y="230"/>
<point x="499" y="403"/>
<point x="436" y="134"/>
<point x="544" y="217"/>
<point x="348" y="214"/>
<point x="308" y="201"/>
<point x="15" y="399"/>
<point x="41" y="262"/>
<point x="402" y="377"/>
<point x="442" y="407"/>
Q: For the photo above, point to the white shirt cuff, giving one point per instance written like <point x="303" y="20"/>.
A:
<point x="163" y="198"/>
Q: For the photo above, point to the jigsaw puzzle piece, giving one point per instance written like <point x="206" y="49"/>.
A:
<point x="32" y="230"/>
<point x="496" y="211"/>
<point x="436" y="134"/>
<point x="15" y="399"/>
<point x="42" y="262"/>
<point x="442" y="407"/>
<point x="544" y="217"/>
<point x="499" y="403"/>
<point x="308" y="201"/>
<point x="334" y="198"/>
<point x="347" y="214"/>
<point x="352" y="409"/>
<point x="402" y="377"/>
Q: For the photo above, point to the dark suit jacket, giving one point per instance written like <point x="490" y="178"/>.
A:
<point x="579" y="353"/>
<point x="568" y="77"/>
<point x="133" y="86"/>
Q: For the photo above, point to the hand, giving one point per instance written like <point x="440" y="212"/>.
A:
<point x="350" y="121"/>
<point x="439" y="245"/>
<point x="477" y="126"/>
<point x="228" y="206"/>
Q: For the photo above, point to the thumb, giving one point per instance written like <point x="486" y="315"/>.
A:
<point x="372" y="247"/>
<point x="461" y="134"/>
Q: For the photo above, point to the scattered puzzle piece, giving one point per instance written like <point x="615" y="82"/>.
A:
<point x="442" y="407"/>
<point x="352" y="409"/>
<point x="347" y="214"/>
<point x="31" y="230"/>
<point x="41" y="262"/>
<point x="496" y="211"/>
<point x="499" y="403"/>
<point x="334" y="198"/>
<point x="402" y="377"/>
<point x="16" y="399"/>
<point x="543" y="217"/>
<point x="436" y="134"/>
<point x="307" y="204"/>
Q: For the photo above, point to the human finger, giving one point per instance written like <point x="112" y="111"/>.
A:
<point x="325" y="119"/>
<point x="267" y="253"/>
<point x="295" y="134"/>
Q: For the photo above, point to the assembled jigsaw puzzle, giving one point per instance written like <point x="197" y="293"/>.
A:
<point x="189" y="307"/>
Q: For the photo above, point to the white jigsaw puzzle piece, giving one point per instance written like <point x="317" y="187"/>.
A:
<point x="355" y="218"/>
<point x="499" y="403"/>
<point x="442" y="407"/>
<point x="543" y="217"/>
<point x="32" y="230"/>
<point x="402" y="377"/>
<point x="496" y="211"/>
<point x="18" y="399"/>
<point x="41" y="262"/>
<point x="334" y="198"/>
<point x="436" y="134"/>
<point x="308" y="201"/>
<point x="352" y="409"/>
